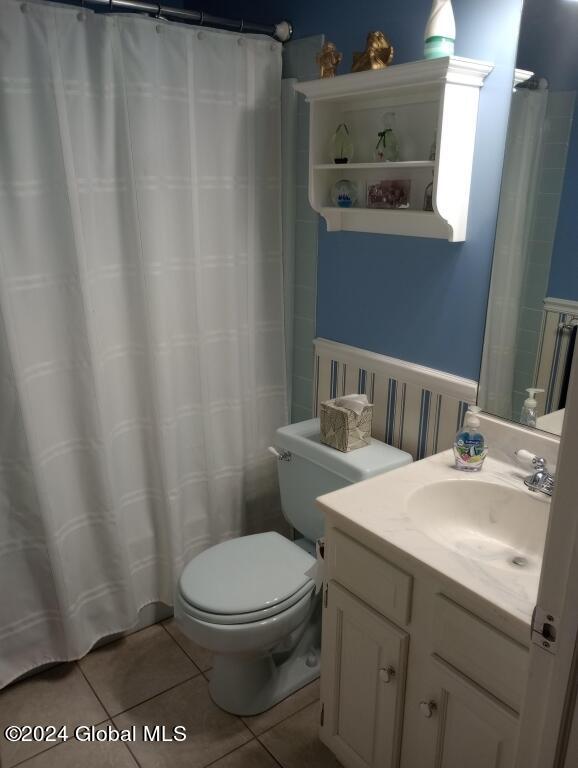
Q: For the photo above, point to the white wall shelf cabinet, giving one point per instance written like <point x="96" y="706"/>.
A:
<point x="430" y="98"/>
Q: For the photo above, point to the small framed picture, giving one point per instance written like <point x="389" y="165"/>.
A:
<point x="389" y="194"/>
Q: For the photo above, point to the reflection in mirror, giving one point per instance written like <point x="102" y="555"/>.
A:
<point x="533" y="306"/>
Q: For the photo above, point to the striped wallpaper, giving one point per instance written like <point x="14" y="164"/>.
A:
<point x="416" y="409"/>
<point x="557" y="341"/>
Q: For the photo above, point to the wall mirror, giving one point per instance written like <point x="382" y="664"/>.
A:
<point x="533" y="305"/>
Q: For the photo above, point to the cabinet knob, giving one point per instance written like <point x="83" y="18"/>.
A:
<point x="386" y="674"/>
<point x="427" y="708"/>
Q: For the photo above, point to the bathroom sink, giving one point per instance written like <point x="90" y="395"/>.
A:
<point x="484" y="532"/>
<point x="503" y="526"/>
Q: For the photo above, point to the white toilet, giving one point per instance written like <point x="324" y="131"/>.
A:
<point x="252" y="601"/>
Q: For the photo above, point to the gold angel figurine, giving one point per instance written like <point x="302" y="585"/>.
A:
<point x="328" y="59"/>
<point x="378" y="53"/>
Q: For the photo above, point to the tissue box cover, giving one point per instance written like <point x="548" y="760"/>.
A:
<point x="341" y="428"/>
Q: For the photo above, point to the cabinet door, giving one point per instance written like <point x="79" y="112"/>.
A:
<point x="363" y="680"/>
<point x="457" y="725"/>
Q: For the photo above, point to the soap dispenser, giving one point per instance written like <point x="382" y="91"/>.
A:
<point x="528" y="415"/>
<point x="470" y="447"/>
<point x="440" y="31"/>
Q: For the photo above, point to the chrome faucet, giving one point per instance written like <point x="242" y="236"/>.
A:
<point x="540" y="480"/>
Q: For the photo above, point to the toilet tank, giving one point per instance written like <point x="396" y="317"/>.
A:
<point x="310" y="469"/>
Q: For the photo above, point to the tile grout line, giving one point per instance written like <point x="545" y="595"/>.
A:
<point x="184" y="650"/>
<point x="112" y="717"/>
<point x="230" y="752"/>
<point x="154" y="696"/>
<point x="131" y="753"/>
<point x="92" y="689"/>
<point x="109" y="716"/>
<point x="242" y="746"/>
<point x="53" y="746"/>
<point x="268" y="751"/>
<point x="248" y="741"/>
<point x="37" y="754"/>
<point x="60" y="743"/>
<point x="253" y="736"/>
<point x="283" y="719"/>
<point x="265" y="747"/>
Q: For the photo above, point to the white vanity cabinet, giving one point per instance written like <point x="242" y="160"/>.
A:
<point x="366" y="656"/>
<point x="457" y="724"/>
<point x="410" y="677"/>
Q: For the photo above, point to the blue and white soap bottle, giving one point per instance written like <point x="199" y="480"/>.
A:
<point x="470" y="447"/>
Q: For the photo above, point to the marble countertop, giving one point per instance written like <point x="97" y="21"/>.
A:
<point x="552" y="422"/>
<point x="378" y="508"/>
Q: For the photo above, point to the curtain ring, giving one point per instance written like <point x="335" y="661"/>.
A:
<point x="110" y="2"/>
<point x="202" y="19"/>
<point x="242" y="27"/>
<point x="159" y="9"/>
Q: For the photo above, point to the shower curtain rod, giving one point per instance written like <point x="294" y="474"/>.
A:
<point x="281" y="31"/>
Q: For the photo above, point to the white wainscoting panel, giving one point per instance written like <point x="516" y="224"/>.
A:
<point x="417" y="409"/>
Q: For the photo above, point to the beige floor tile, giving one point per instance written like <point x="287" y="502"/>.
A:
<point x="60" y="696"/>
<point x="252" y="755"/>
<point x="307" y="695"/>
<point x="88" y="754"/>
<point x="211" y="733"/>
<point x="202" y="658"/>
<point x="295" y="744"/>
<point x="130" y="670"/>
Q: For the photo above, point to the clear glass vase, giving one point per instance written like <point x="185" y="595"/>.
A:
<point x="387" y="147"/>
<point x="341" y="150"/>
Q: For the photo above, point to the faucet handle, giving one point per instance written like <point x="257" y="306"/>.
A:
<point x="526" y="457"/>
<point x="540" y="479"/>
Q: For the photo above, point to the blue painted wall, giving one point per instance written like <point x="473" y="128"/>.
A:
<point x="548" y="42"/>
<point x="420" y="300"/>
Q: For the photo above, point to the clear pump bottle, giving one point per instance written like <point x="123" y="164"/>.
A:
<point x="470" y="447"/>
<point x="529" y="413"/>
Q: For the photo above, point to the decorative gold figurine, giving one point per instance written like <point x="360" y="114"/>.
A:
<point x="378" y="53"/>
<point x="328" y="59"/>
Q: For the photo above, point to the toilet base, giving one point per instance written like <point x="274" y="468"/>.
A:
<point x="248" y="685"/>
<point x="249" y="688"/>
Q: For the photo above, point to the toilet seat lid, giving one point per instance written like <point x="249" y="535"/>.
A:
<point x="246" y="574"/>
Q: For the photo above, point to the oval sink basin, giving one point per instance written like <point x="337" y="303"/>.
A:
<point x="502" y="526"/>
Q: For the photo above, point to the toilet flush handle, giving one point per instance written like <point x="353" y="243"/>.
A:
<point x="281" y="455"/>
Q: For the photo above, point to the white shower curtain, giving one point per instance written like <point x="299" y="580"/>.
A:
<point x="141" y="314"/>
<point x="517" y="202"/>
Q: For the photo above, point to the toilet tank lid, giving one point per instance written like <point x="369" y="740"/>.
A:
<point x="303" y="440"/>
